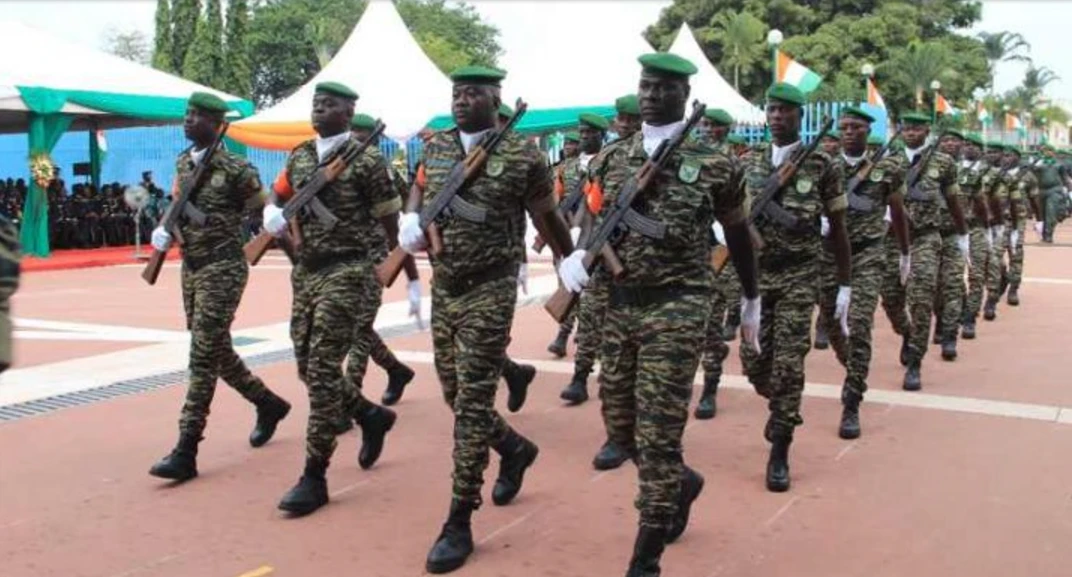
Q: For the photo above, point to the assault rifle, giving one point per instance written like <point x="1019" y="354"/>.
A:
<point x="181" y="206"/>
<point x="852" y="187"/>
<point x="567" y="208"/>
<point x="325" y="174"/>
<point x="764" y="207"/>
<point x="915" y="173"/>
<point x="621" y="216"/>
<point x="448" y="199"/>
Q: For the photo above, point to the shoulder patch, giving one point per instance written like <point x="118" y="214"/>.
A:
<point x="933" y="172"/>
<point x="877" y="174"/>
<point x="218" y="179"/>
<point x="804" y="185"/>
<point x="689" y="172"/>
<point x="495" y="166"/>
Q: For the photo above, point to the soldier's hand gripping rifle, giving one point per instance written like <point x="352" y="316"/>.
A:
<point x="567" y="208"/>
<point x="764" y="207"/>
<point x="325" y="174"/>
<point x="622" y="216"/>
<point x="852" y="187"/>
<point x="181" y="206"/>
<point x="447" y="199"/>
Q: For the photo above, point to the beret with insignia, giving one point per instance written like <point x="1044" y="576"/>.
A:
<point x="478" y="75"/>
<point x="667" y="63"/>
<point x="209" y="102"/>
<point x="628" y="104"/>
<point x="954" y="132"/>
<point x="857" y="112"/>
<point x="786" y="92"/>
<point x="718" y="116"/>
<point x="913" y="117"/>
<point x="974" y="138"/>
<point x="336" y="89"/>
<point x="594" y="120"/>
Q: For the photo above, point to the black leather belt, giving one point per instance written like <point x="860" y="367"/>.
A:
<point x="317" y="262"/>
<point x="643" y="296"/>
<point x="458" y="286"/>
<point x="227" y="252"/>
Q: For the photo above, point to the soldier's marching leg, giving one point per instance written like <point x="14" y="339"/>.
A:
<point x="617" y="392"/>
<point x="1016" y="266"/>
<point x="980" y="263"/>
<point x="271" y="408"/>
<point x="375" y="421"/>
<point x="590" y="317"/>
<point x="398" y="374"/>
<point x="951" y="291"/>
<point x="894" y="295"/>
<point x="922" y="283"/>
<point x="867" y="269"/>
<point x="827" y="279"/>
<point x="995" y="276"/>
<point x="518" y="378"/>
<point x="730" y="286"/>
<point x="558" y="346"/>
<point x="715" y="351"/>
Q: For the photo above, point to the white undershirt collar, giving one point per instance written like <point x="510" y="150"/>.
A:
<point x="324" y="146"/>
<point x="469" y="139"/>
<point x="653" y="135"/>
<point x="780" y="154"/>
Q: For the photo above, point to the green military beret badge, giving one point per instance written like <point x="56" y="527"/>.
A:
<point x="804" y="185"/>
<point x="689" y="172"/>
<point x="915" y="118"/>
<point x="495" y="166"/>
<point x="573" y="137"/>
<point x="209" y="102"/>
<point x="667" y="63"/>
<point x="336" y="89"/>
<point x="856" y="112"/>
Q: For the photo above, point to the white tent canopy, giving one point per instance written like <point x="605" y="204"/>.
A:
<point x="708" y="85"/>
<point x="380" y="61"/>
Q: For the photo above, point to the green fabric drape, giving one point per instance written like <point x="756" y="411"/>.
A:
<point x="47" y="125"/>
<point x="95" y="158"/>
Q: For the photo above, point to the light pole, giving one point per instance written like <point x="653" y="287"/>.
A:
<point x="774" y="38"/>
<point x="936" y="87"/>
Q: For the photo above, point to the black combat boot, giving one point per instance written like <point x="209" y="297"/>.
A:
<point x="990" y="309"/>
<point x="518" y="454"/>
<point x="518" y="378"/>
<point x="822" y="341"/>
<point x="707" y="408"/>
<point x="397" y="379"/>
<point x="949" y="349"/>
<point x="311" y="492"/>
<point x="375" y="422"/>
<point x="610" y="456"/>
<point x="967" y="328"/>
<point x="576" y="392"/>
<point x="455" y="541"/>
<point x="904" y="349"/>
<point x="692" y="484"/>
<point x="1014" y="295"/>
<point x="912" y="379"/>
<point x="647" y="551"/>
<point x="181" y="464"/>
<point x="270" y="410"/>
<point x="729" y="333"/>
<point x="558" y="346"/>
<point x="778" y="464"/>
<point x="850" y="415"/>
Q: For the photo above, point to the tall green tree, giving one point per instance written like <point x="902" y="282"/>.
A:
<point x="162" y="55"/>
<point x="741" y="36"/>
<point x="185" y="14"/>
<point x="204" y="60"/>
<point x="237" y="68"/>
<point x="436" y="24"/>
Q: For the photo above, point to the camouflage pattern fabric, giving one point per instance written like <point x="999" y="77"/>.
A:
<point x="788" y="285"/>
<point x="937" y="184"/>
<point x="979" y="247"/>
<point x="715" y="349"/>
<point x="949" y="300"/>
<point x="996" y="268"/>
<point x="474" y="289"/>
<point x="658" y="311"/>
<point x="336" y="294"/>
<point x="230" y="187"/>
<point x="1016" y="254"/>
<point x="1023" y="187"/>
<point x="729" y="284"/>
<point x="10" y="271"/>
<point x="566" y="175"/>
<point x="591" y="316"/>
<point x="894" y="298"/>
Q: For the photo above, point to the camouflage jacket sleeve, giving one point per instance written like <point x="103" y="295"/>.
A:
<point x="247" y="184"/>
<point x="381" y="191"/>
<point x="831" y="190"/>
<point x="947" y="180"/>
<point x="893" y="177"/>
<point x="726" y="188"/>
<point x="539" y="191"/>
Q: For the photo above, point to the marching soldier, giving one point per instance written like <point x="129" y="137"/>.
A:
<point x="1051" y="178"/>
<point x="475" y="291"/>
<point x="336" y="293"/>
<point x="627" y="116"/>
<point x="788" y="268"/>
<point x="949" y="299"/>
<point x="214" y="274"/>
<point x="975" y="183"/>
<point x="881" y="187"/>
<point x="10" y="271"/>
<point x="1003" y="221"/>
<point x="1024" y="194"/>
<point x="655" y="322"/>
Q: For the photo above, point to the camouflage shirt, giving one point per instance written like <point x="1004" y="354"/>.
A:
<point x="513" y="179"/>
<point x="885" y="180"/>
<point x="929" y="212"/>
<point x="974" y="186"/>
<point x="567" y="176"/>
<point x="816" y="189"/>
<point x="359" y="196"/>
<point x="400" y="186"/>
<point x="230" y="186"/>
<point x="697" y="186"/>
<point x="994" y="184"/>
<point x="1023" y="188"/>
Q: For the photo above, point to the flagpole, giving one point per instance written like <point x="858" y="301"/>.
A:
<point x="774" y="38"/>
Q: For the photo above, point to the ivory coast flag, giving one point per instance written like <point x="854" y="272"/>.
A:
<point x="942" y="106"/>
<point x="1012" y="122"/>
<point x="797" y="74"/>
<point x="981" y="113"/>
<point x="102" y="144"/>
<point x="873" y="97"/>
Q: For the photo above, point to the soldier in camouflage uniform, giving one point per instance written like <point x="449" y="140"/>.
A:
<point x="658" y="309"/>
<point x="976" y="184"/>
<point x="882" y="188"/>
<point x="949" y="300"/>
<point x="934" y="199"/>
<point x="214" y="275"/>
<point x="1024" y="194"/>
<point x="336" y="293"/>
<point x="789" y="269"/>
<point x="10" y="270"/>
<point x="714" y="128"/>
<point x="1052" y="177"/>
<point x="474" y="293"/>
<point x="1003" y="220"/>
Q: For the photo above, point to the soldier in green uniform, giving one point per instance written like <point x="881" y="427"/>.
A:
<point x="10" y="271"/>
<point x="976" y="184"/>
<point x="1024" y="195"/>
<point x="789" y="269"/>
<point x="214" y="275"/>
<point x="867" y="203"/>
<point x="627" y="116"/>
<point x="933" y="200"/>
<point x="949" y="300"/>
<point x="1051" y="182"/>
<point x="655" y="322"/>
<point x="1003" y="220"/>
<point x="336" y="293"/>
<point x="474" y="293"/>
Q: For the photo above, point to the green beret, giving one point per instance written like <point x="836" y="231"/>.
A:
<point x="336" y="89"/>
<point x="974" y="138"/>
<point x="209" y="102"/>
<point x="505" y="111"/>
<point x="875" y="140"/>
<point x="915" y="118"/>
<point x="719" y="116"/>
<point x="668" y="63"/>
<point x="833" y="134"/>
<point x="736" y="139"/>
<point x="363" y="121"/>
<point x="594" y="120"/>
<point x="786" y="92"/>
<point x="628" y="104"/>
<point x="857" y="112"/>
<point x="954" y="132"/>
<point x="1014" y="149"/>
<point x="478" y="75"/>
<point x="994" y="145"/>
<point x="573" y="136"/>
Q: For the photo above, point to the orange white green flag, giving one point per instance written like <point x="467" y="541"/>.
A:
<point x="795" y="73"/>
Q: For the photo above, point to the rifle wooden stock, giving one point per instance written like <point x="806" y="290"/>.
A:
<point x="388" y="270"/>
<point x="611" y="261"/>
<point x="562" y="302"/>
<point x="719" y="257"/>
<point x="152" y="268"/>
<point x="435" y="239"/>
<point x="538" y="244"/>
<point x="256" y="247"/>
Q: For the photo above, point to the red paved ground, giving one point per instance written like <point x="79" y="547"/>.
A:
<point x="923" y="493"/>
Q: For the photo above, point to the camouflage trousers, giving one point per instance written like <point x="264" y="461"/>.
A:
<point x="650" y="357"/>
<point x="591" y="318"/>
<point x="470" y="332"/>
<point x="922" y="286"/>
<point x="332" y="315"/>
<point x="377" y="351"/>
<point x="1016" y="254"/>
<point x="777" y="373"/>
<point x="729" y="285"/>
<point x="949" y="299"/>
<point x="210" y="298"/>
<point x="854" y="351"/>
<point x="980" y="262"/>
<point x="715" y="349"/>
<point x="892" y="291"/>
<point x="996" y="269"/>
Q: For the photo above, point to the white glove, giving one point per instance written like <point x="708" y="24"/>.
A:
<point x="410" y="236"/>
<point x="575" y="234"/>
<point x="990" y="239"/>
<point x="1014" y="240"/>
<point x="841" y="307"/>
<point x="161" y="240"/>
<point x="1038" y="228"/>
<point x="523" y="277"/>
<point x="273" y="220"/>
<point x="750" y="314"/>
<point x="906" y="268"/>
<point x="571" y="271"/>
<point x="720" y="235"/>
<point x="889" y="215"/>
<point x="964" y="244"/>
<point x="824" y="226"/>
<point x="413" y="290"/>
